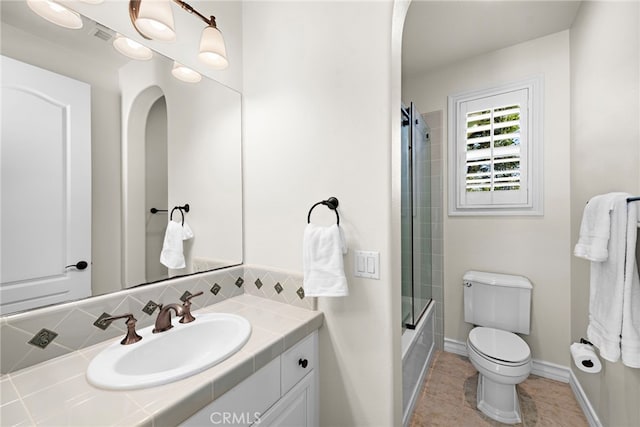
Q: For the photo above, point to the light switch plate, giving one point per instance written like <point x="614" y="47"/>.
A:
<point x="367" y="264"/>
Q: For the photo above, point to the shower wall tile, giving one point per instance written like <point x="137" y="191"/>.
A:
<point x="434" y="120"/>
<point x="436" y="139"/>
<point x="436" y="169"/>
<point x="437" y="293"/>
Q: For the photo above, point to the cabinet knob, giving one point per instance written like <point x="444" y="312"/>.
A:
<point x="303" y="363"/>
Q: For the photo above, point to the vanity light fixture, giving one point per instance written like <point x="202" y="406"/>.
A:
<point x="153" y="19"/>
<point x="56" y="13"/>
<point x="185" y="74"/>
<point x="131" y="48"/>
<point x="212" y="49"/>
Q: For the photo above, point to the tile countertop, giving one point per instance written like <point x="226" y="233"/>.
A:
<point x="56" y="392"/>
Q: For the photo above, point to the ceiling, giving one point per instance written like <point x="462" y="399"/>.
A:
<point x="439" y="33"/>
<point x="92" y="37"/>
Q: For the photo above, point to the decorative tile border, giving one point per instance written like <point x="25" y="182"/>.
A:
<point x="278" y="285"/>
<point x="70" y="326"/>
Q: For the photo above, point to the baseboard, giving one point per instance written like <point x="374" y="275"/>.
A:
<point x="540" y="367"/>
<point x="583" y="401"/>
<point x="456" y="347"/>
<point x="550" y="370"/>
<point x="545" y="370"/>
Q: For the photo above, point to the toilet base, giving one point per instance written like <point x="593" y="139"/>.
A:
<point x="498" y="401"/>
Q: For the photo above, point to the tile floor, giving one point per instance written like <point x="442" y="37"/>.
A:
<point x="448" y="398"/>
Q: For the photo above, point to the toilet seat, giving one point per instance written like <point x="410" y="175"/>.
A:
<point x="502" y="347"/>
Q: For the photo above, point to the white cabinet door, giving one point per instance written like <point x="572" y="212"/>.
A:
<point x="243" y="404"/>
<point x="45" y="187"/>
<point x="297" y="408"/>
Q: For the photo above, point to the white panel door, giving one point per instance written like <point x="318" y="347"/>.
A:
<point x="45" y="187"/>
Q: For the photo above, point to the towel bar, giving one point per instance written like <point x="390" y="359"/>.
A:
<point x="182" y="210"/>
<point x="156" y="210"/>
<point x="331" y="203"/>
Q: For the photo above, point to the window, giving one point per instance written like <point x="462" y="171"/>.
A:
<point x="495" y="150"/>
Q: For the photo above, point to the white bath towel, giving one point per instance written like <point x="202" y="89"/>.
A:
<point x="322" y="251"/>
<point x="595" y="228"/>
<point x="607" y="286"/>
<point x="630" y="341"/>
<point x="172" y="255"/>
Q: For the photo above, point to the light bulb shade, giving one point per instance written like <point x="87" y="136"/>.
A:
<point x="131" y="49"/>
<point x="185" y="74"/>
<point x="212" y="49"/>
<point x="56" y="13"/>
<point x="155" y="20"/>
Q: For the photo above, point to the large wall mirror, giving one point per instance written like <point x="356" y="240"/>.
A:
<point x="156" y="143"/>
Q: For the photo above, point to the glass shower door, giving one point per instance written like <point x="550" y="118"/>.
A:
<point x="415" y="217"/>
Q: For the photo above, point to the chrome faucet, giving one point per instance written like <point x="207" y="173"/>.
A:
<point x="163" y="321"/>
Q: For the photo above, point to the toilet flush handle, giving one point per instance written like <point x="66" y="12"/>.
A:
<point x="466" y="284"/>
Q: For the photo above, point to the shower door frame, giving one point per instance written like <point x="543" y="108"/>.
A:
<point x="411" y="114"/>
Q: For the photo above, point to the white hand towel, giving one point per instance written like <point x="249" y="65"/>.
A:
<point x="607" y="286"/>
<point x="322" y="251"/>
<point x="595" y="228"/>
<point x="172" y="255"/>
<point x="186" y="231"/>
<point x="630" y="341"/>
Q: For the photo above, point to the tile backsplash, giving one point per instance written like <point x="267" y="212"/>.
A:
<point x="281" y="286"/>
<point x="70" y="326"/>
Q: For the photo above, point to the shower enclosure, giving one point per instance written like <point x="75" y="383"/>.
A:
<point x="418" y="326"/>
<point x="415" y="217"/>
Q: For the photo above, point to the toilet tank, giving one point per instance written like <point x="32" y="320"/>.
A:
<point x="500" y="301"/>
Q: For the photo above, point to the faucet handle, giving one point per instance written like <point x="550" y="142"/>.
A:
<point x="132" y="336"/>
<point x="187" y="317"/>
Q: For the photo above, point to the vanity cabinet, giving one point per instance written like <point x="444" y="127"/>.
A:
<point x="297" y="408"/>
<point x="282" y="393"/>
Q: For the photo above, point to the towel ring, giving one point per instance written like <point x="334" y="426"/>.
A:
<point x="182" y="210"/>
<point x="331" y="203"/>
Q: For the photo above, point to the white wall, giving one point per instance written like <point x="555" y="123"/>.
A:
<point x="605" y="155"/>
<point x="156" y="188"/>
<point x="317" y="124"/>
<point x="535" y="247"/>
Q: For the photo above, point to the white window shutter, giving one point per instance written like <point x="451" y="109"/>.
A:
<point x="495" y="151"/>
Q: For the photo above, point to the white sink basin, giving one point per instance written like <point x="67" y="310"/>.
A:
<point x="182" y="351"/>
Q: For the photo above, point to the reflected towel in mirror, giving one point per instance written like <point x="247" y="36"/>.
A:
<point x="172" y="255"/>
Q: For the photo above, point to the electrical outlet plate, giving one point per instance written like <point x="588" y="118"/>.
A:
<point x="367" y="264"/>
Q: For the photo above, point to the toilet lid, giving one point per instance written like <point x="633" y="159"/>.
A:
<point x="501" y="345"/>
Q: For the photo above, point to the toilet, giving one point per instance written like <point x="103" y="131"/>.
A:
<point x="499" y="307"/>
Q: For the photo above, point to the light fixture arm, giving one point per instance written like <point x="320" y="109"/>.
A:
<point x="134" y="10"/>
<point x="155" y="21"/>
<point x="192" y="10"/>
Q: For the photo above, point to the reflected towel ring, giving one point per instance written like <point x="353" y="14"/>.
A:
<point x="182" y="210"/>
<point x="331" y="203"/>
